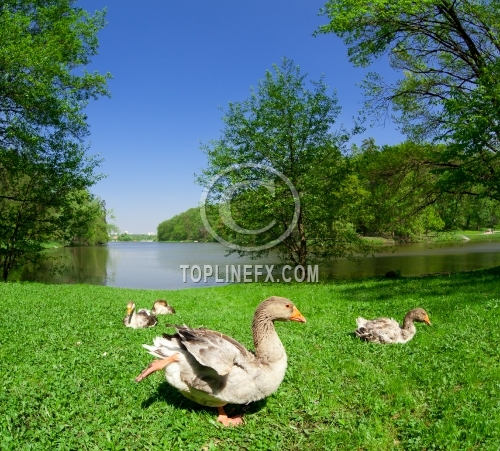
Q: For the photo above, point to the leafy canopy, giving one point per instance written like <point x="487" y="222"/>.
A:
<point x="44" y="89"/>
<point x="286" y="125"/>
<point x="448" y="54"/>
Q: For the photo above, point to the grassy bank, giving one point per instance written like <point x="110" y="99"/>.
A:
<point x="52" y="244"/>
<point x="479" y="235"/>
<point x="458" y="236"/>
<point x="462" y="235"/>
<point x="68" y="367"/>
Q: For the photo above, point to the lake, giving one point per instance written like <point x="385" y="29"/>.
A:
<point x="158" y="265"/>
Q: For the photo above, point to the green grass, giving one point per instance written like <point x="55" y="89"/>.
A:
<point x="68" y="367"/>
<point x="52" y="244"/>
<point x="471" y="234"/>
<point x="377" y="240"/>
<point x="479" y="235"/>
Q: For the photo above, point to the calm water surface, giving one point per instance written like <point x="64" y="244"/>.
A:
<point x="157" y="265"/>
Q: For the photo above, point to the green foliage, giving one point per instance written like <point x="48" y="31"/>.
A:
<point x="402" y="189"/>
<point x="88" y="225"/>
<point x="43" y="200"/>
<point x="136" y="237"/>
<point x="407" y="197"/>
<point x="43" y="91"/>
<point x="448" y="54"/>
<point x="392" y="191"/>
<point x="471" y="161"/>
<point x="43" y="164"/>
<point x="68" y="368"/>
<point x="186" y="226"/>
<point x="468" y="212"/>
<point x="286" y="126"/>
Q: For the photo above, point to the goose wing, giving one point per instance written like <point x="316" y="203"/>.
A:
<point x="214" y="349"/>
<point x="145" y="318"/>
<point x="382" y="330"/>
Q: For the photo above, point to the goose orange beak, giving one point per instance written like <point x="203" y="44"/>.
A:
<point x="427" y="320"/>
<point x="297" y="316"/>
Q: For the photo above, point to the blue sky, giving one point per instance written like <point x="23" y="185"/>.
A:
<point x="174" y="63"/>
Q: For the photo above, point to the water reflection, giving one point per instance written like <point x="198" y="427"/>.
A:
<point x="72" y="265"/>
<point x="419" y="259"/>
<point x="158" y="265"/>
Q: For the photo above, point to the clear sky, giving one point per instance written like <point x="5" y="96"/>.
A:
<point x="174" y="63"/>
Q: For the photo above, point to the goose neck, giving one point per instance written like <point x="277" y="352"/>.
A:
<point x="408" y="323"/>
<point x="268" y="346"/>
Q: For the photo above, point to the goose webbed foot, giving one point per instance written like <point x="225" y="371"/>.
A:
<point x="156" y="365"/>
<point x="226" y="421"/>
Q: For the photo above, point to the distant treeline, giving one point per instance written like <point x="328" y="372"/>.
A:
<point x="186" y="226"/>
<point x="392" y="185"/>
<point x="135" y="237"/>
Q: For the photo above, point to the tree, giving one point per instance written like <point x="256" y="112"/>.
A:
<point x="89" y="226"/>
<point x="40" y="201"/>
<point x="43" y="162"/>
<point x="402" y="189"/>
<point x="405" y="198"/>
<point x="184" y="226"/>
<point x="468" y="212"/>
<point x="42" y="95"/>
<point x="278" y="177"/>
<point x="448" y="53"/>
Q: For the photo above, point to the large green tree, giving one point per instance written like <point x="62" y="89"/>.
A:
<point x="44" y="89"/>
<point x="448" y="55"/>
<point x="184" y="226"/>
<point x="402" y="189"/>
<point x="89" y="226"/>
<point x="278" y="177"/>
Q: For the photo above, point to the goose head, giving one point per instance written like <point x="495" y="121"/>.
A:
<point x="130" y="308"/>
<point x="277" y="308"/>
<point x="420" y="315"/>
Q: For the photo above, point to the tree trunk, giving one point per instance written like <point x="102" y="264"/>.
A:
<point x="5" y="272"/>
<point x="303" y="244"/>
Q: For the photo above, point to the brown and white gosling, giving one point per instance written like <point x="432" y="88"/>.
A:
<point x="161" y="307"/>
<point x="387" y="330"/>
<point x="138" y="319"/>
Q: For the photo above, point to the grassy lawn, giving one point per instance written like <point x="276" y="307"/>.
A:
<point x="68" y="367"/>
<point x="442" y="237"/>
<point x="52" y="244"/>
<point x="471" y="234"/>
<point x="480" y="235"/>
